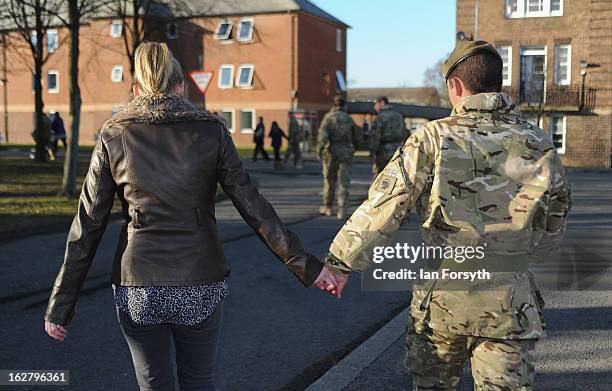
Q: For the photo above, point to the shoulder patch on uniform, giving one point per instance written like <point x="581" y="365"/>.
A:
<point x="386" y="184"/>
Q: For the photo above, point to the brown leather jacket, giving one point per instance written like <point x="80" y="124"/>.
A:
<point x="163" y="158"/>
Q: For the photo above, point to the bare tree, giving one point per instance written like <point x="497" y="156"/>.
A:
<point x="30" y="19"/>
<point x="433" y="78"/>
<point x="77" y="11"/>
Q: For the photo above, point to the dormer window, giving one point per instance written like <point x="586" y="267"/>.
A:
<point x="224" y="31"/>
<point x="245" y="30"/>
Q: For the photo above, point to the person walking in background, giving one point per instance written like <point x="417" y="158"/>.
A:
<point x="277" y="134"/>
<point x="338" y="138"/>
<point x="169" y="272"/>
<point x="259" y="135"/>
<point x="58" y="132"/>
<point x="293" y="149"/>
<point x="387" y="134"/>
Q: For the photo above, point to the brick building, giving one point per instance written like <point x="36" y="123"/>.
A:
<point x="269" y="58"/>
<point x="557" y="67"/>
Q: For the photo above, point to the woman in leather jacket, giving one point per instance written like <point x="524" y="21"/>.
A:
<point x="162" y="157"/>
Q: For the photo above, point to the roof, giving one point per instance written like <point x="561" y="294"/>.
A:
<point x="242" y="7"/>
<point x="410" y="111"/>
<point x="418" y="95"/>
<point x="192" y="8"/>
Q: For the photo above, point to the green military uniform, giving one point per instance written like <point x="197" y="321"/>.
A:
<point x="338" y="137"/>
<point x="481" y="177"/>
<point x="293" y="149"/>
<point x="387" y="135"/>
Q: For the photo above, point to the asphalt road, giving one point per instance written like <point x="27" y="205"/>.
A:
<point x="279" y="335"/>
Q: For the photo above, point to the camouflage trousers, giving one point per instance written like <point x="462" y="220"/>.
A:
<point x="336" y="172"/>
<point x="293" y="150"/>
<point x="436" y="359"/>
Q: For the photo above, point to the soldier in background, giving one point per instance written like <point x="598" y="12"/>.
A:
<point x="293" y="149"/>
<point x="483" y="177"/>
<point x="388" y="133"/>
<point x="338" y="138"/>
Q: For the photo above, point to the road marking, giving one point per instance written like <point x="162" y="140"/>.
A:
<point x="341" y="374"/>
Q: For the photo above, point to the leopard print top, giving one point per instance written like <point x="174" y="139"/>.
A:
<point x="183" y="305"/>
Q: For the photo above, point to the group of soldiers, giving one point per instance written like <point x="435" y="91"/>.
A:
<point x="339" y="137"/>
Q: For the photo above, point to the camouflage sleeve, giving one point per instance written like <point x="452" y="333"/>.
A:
<point x="559" y="205"/>
<point x="390" y="198"/>
<point x="357" y="135"/>
<point x="323" y="135"/>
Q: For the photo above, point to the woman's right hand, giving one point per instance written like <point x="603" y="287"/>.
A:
<point x="55" y="330"/>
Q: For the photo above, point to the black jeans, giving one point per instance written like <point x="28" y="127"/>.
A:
<point x="195" y="346"/>
<point x="259" y="148"/>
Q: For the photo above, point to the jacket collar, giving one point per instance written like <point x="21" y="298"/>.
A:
<point x="488" y="101"/>
<point x="159" y="108"/>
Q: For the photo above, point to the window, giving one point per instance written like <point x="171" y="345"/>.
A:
<point x="53" y="82"/>
<point x="224" y="31"/>
<point x="33" y="38"/>
<point x="245" y="30"/>
<point x="226" y="76"/>
<point x="172" y="30"/>
<point x="116" y="29"/>
<point x="533" y="8"/>
<point x="563" y="55"/>
<point x="340" y="82"/>
<point x="228" y="117"/>
<point x="117" y="74"/>
<point x="533" y="75"/>
<point x="247" y="120"/>
<point x="506" y="54"/>
<point x="52" y="43"/>
<point x="245" y="75"/>
<point x="557" y="132"/>
<point x="339" y="40"/>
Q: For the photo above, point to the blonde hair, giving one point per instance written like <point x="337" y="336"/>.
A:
<point x="155" y="69"/>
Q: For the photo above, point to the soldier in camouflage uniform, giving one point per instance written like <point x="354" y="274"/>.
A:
<point x="293" y="149"/>
<point x="482" y="177"/>
<point x="338" y="137"/>
<point x="388" y="133"/>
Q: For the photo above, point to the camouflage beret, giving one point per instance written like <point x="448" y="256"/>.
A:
<point x="463" y="50"/>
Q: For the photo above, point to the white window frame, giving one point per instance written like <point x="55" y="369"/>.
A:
<point x="561" y="150"/>
<point x="522" y="10"/>
<point x="225" y="37"/>
<point x="339" y="45"/>
<point x="253" y="120"/>
<point x="250" y="36"/>
<point x="251" y="76"/>
<point x="567" y="81"/>
<point x="169" y="35"/>
<point x="536" y="51"/>
<point x="56" y="33"/>
<point x="231" y="78"/>
<point x="112" y="30"/>
<point x="57" y="82"/>
<point x="113" y="74"/>
<point x="232" y="111"/>
<point x="507" y="82"/>
<point x="340" y="81"/>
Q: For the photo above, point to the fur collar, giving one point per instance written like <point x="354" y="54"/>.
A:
<point x="159" y="108"/>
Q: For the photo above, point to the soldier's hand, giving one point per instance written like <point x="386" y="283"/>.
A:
<point x="331" y="282"/>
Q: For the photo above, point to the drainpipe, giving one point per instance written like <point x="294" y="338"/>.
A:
<point x="476" y="20"/>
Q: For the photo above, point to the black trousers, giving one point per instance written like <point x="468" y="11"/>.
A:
<point x="195" y="347"/>
<point x="259" y="147"/>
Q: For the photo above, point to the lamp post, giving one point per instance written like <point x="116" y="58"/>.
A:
<point x="584" y="65"/>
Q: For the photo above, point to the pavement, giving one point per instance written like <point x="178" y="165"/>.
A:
<point x="279" y="335"/>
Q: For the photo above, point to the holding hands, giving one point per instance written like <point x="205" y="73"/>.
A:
<point x="332" y="282"/>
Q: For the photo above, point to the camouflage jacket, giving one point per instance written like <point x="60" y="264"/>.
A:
<point x="295" y="132"/>
<point x="481" y="177"/>
<point x="388" y="132"/>
<point x="338" y="135"/>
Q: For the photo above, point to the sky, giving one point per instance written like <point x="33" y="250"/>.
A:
<point x="392" y="42"/>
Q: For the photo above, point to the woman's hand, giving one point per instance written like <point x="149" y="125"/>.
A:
<point x="331" y="282"/>
<point x="55" y="330"/>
